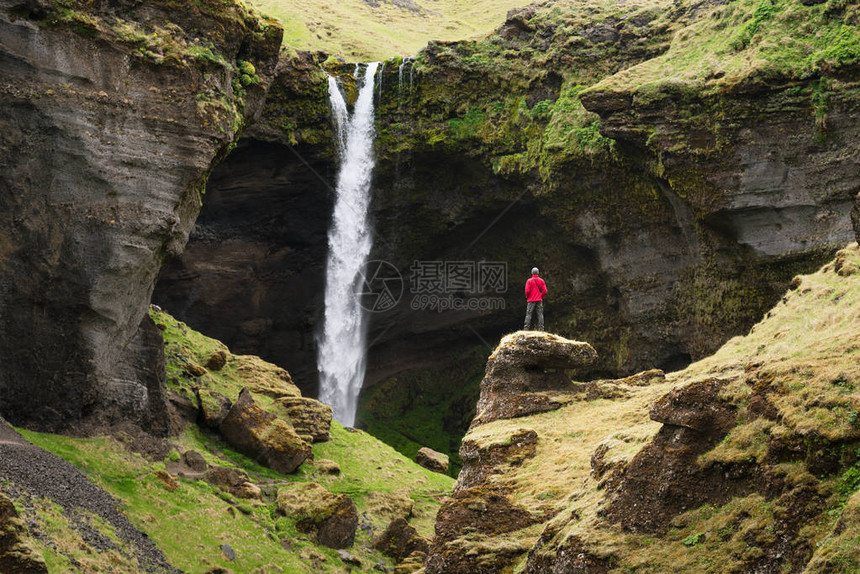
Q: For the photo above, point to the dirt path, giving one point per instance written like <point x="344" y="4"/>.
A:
<point x="41" y="473"/>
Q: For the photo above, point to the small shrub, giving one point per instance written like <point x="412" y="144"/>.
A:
<point x="694" y="539"/>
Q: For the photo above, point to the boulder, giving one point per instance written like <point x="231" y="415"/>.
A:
<point x="389" y="505"/>
<point x="195" y="461"/>
<point x="226" y="478"/>
<point x="234" y="481"/>
<point x="248" y="490"/>
<point x="523" y="372"/>
<point x="327" y="466"/>
<point x="216" y="361"/>
<point x="213" y="407"/>
<point x="696" y="406"/>
<point x="265" y="378"/>
<point x="400" y="540"/>
<point x="16" y="551"/>
<point x="195" y="370"/>
<point x="530" y="349"/>
<point x="332" y="518"/>
<point x="308" y="416"/>
<point x="432" y="460"/>
<point x="169" y="481"/>
<point x="263" y="436"/>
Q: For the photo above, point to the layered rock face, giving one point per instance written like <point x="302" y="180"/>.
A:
<point x="525" y="376"/>
<point x="111" y="121"/>
<point x="663" y="224"/>
<point x="745" y="461"/>
<point x="253" y="275"/>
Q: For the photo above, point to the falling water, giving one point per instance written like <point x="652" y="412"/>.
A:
<point x="341" y="115"/>
<point x="379" y="83"/>
<point x="342" y="349"/>
<point x="407" y="61"/>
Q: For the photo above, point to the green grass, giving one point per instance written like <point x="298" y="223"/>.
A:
<point x="191" y="523"/>
<point x="357" y="31"/>
<point x="748" y="39"/>
<point x="200" y="517"/>
<point x="805" y="353"/>
<point x="429" y="407"/>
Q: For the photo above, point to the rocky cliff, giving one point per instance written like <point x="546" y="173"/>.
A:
<point x="112" y="117"/>
<point x="256" y="478"/>
<point x="668" y="183"/>
<point x="744" y="462"/>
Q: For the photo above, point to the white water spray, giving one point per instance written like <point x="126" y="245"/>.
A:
<point x="342" y="350"/>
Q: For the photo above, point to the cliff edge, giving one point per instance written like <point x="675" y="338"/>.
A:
<point x="112" y="117"/>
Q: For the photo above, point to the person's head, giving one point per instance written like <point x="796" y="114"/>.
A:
<point x="535" y="271"/>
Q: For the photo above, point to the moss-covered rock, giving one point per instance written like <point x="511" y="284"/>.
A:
<point x="745" y="460"/>
<point x="430" y="459"/>
<point x="332" y="518"/>
<point x="263" y="436"/>
<point x="16" y="550"/>
<point x="399" y="540"/>
<point x="309" y="417"/>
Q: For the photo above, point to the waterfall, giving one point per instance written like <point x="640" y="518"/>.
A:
<point x="342" y="348"/>
<point x="341" y="115"/>
<point x="407" y="61"/>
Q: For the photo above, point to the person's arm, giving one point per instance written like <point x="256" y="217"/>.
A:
<point x="527" y="287"/>
<point x="544" y="288"/>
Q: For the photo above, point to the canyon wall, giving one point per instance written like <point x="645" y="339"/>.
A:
<point x="666" y="215"/>
<point x="112" y="118"/>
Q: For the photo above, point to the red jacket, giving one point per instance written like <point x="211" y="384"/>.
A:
<point x="535" y="289"/>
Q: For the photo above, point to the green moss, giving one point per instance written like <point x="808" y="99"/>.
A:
<point x="425" y="407"/>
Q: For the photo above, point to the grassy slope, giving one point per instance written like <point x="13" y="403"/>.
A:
<point x="707" y="50"/>
<point x="191" y="523"/>
<point x="809" y="350"/>
<point x="760" y="39"/>
<point x="357" y="30"/>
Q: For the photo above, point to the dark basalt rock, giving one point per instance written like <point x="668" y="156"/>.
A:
<point x="663" y="480"/>
<point x="399" y="540"/>
<point x="855" y="218"/>
<point x="333" y="518"/>
<point x="105" y="153"/>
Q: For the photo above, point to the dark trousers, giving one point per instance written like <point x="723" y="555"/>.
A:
<point x="530" y="308"/>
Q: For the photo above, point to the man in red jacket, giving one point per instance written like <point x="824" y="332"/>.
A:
<point x="535" y="290"/>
